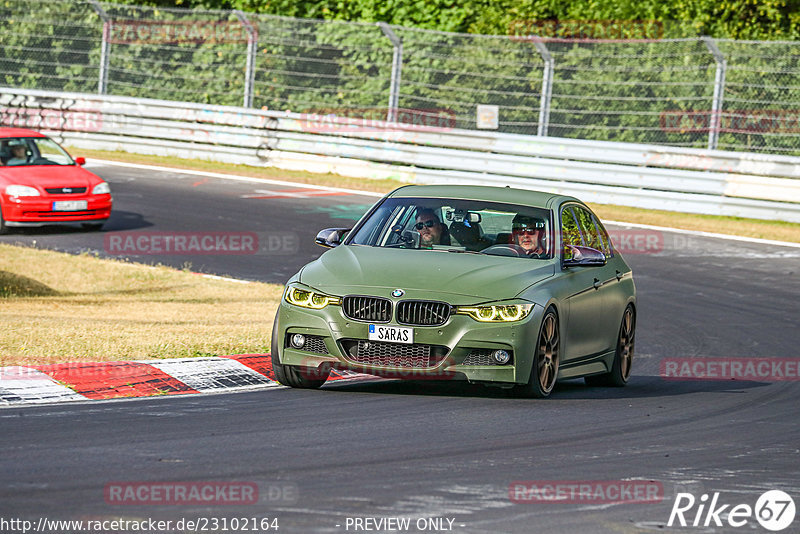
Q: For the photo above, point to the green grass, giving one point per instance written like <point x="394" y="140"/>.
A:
<point x="59" y="307"/>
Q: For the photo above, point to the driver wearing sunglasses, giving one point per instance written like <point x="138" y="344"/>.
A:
<point x="430" y="229"/>
<point x="527" y="233"/>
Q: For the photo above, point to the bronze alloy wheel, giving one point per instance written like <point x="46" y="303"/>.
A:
<point x="623" y="357"/>
<point x="547" y="360"/>
<point x="545" y="363"/>
<point x="627" y="333"/>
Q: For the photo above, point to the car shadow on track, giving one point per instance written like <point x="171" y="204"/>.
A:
<point x="120" y="220"/>
<point x="638" y="387"/>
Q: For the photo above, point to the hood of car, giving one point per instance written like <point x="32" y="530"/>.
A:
<point x="473" y="278"/>
<point x="48" y="176"/>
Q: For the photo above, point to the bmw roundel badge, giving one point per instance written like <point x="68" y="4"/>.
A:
<point x="398" y="293"/>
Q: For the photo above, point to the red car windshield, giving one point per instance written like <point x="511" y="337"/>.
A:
<point x="22" y="151"/>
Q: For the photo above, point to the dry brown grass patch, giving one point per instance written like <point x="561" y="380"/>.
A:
<point x="58" y="308"/>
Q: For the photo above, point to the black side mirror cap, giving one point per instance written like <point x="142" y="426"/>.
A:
<point x="331" y="237"/>
<point x="583" y="256"/>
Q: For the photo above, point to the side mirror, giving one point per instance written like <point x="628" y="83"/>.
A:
<point x="80" y="161"/>
<point x="331" y="237"/>
<point x="576" y="256"/>
<point x="412" y="238"/>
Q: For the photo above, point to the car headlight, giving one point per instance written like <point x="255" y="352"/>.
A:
<point x="101" y="189"/>
<point x="21" y="191"/>
<point x="309" y="299"/>
<point x="498" y="313"/>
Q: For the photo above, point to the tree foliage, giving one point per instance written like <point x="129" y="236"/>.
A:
<point x="733" y="19"/>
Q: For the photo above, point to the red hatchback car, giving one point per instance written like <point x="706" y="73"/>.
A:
<point x="40" y="184"/>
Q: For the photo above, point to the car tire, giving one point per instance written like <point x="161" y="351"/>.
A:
<point x="544" y="370"/>
<point x="3" y="228"/>
<point x="623" y="357"/>
<point x="92" y="227"/>
<point x="294" y="376"/>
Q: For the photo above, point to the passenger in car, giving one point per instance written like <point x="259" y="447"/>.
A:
<point x="431" y="230"/>
<point x="19" y="155"/>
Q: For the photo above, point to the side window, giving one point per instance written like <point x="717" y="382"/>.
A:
<point x="570" y="231"/>
<point x="605" y="241"/>
<point x="588" y="227"/>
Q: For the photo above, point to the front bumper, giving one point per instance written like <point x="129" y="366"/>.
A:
<point x="38" y="211"/>
<point x="457" y="339"/>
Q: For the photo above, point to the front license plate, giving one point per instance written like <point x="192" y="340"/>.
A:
<point x="70" y="205"/>
<point x="392" y="334"/>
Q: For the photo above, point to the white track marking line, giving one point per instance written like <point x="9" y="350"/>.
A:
<point x="223" y="278"/>
<point x="236" y="177"/>
<point x="705" y="234"/>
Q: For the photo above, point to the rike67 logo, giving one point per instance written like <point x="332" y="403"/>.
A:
<point x="774" y="510"/>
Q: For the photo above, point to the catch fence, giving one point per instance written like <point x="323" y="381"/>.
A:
<point x="689" y="92"/>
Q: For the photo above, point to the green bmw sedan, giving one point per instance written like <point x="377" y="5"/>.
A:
<point x="492" y="285"/>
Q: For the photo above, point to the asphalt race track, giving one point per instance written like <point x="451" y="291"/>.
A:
<point x="381" y="449"/>
<point x="284" y="218"/>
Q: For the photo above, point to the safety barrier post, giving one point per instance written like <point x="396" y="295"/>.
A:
<point x="105" y="47"/>
<point x="397" y="65"/>
<point x="250" y="66"/>
<point x="719" y="89"/>
<point x="547" y="86"/>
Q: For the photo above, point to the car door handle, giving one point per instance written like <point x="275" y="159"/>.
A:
<point x="597" y="283"/>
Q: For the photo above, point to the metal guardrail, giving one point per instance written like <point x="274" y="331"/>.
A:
<point x="650" y="176"/>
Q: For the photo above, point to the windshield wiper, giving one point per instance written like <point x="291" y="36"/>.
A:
<point x="464" y="251"/>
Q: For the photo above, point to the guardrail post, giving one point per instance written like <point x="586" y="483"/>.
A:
<point x="397" y="66"/>
<point x="547" y="86"/>
<point x="105" y="47"/>
<point x="719" y="88"/>
<point x="250" y="65"/>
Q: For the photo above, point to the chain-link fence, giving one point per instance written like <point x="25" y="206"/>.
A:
<point x="695" y="92"/>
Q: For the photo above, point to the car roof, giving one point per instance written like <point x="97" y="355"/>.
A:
<point x="507" y="195"/>
<point x="18" y="132"/>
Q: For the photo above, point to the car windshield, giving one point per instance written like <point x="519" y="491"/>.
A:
<point x="18" y="151"/>
<point x="457" y="225"/>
